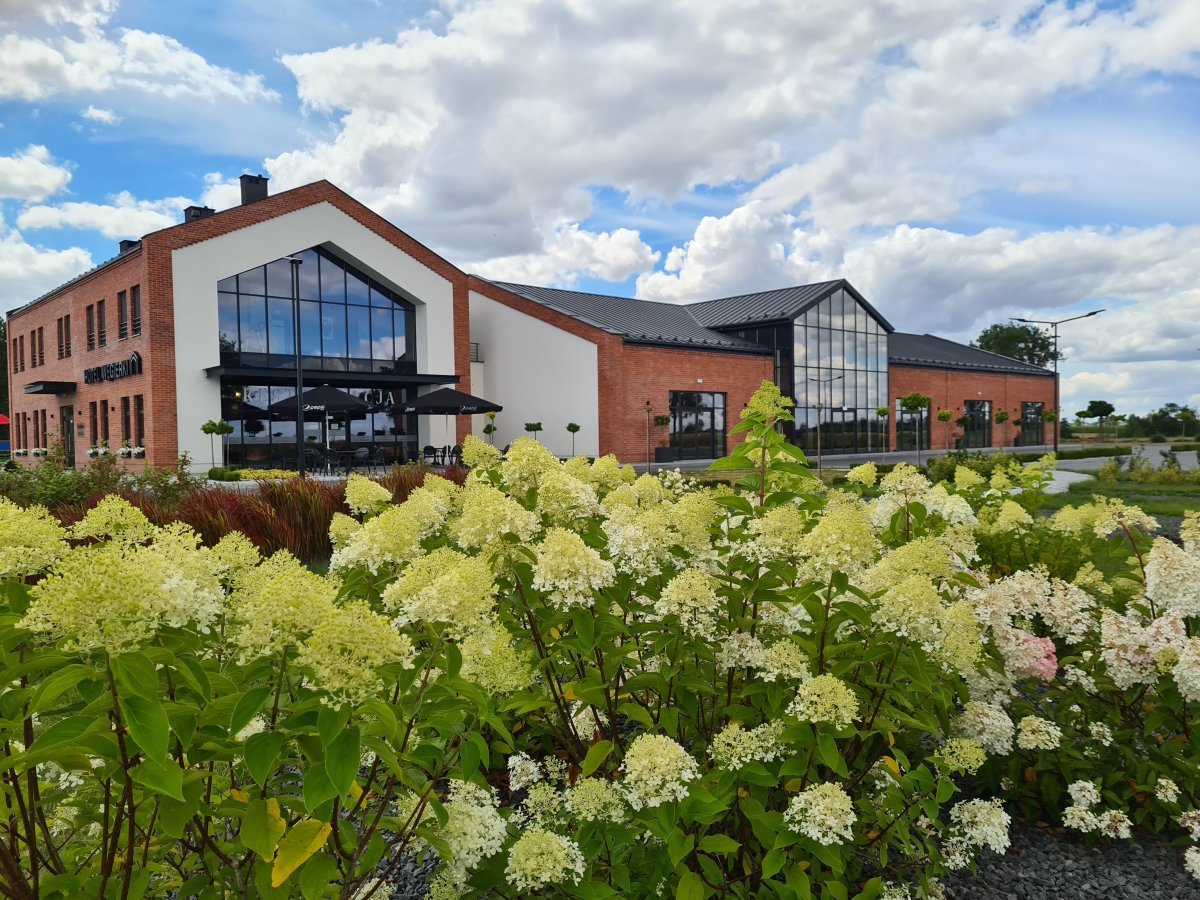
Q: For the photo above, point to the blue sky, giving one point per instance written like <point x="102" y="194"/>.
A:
<point x="959" y="161"/>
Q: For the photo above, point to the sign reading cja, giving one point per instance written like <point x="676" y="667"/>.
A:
<point x="114" y="371"/>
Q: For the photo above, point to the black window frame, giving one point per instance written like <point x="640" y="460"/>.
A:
<point x="977" y="430"/>
<point x="685" y="409"/>
<point x="135" y="309"/>
<point x="122" y="316"/>
<point x="91" y="326"/>
<point x="101" y="324"/>
<point x="139" y="420"/>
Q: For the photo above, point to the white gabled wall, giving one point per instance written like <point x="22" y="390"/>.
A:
<point x="538" y="373"/>
<point x="196" y="269"/>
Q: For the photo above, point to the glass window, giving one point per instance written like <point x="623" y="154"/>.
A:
<point x="310" y="328"/>
<point x="253" y="322"/>
<point x="333" y="330"/>
<point x="252" y="282"/>
<point x="227" y="322"/>
<point x="357" y="292"/>
<point x="823" y="313"/>
<point x="383" y="340"/>
<point x="358" y="332"/>
<point x="800" y="350"/>
<point x="279" y="278"/>
<point x="333" y="281"/>
<point x="280" y="336"/>
<point x="309" y="275"/>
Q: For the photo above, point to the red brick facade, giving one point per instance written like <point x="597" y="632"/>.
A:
<point x="631" y="374"/>
<point x="150" y="267"/>
<point x="949" y="388"/>
<point x="154" y="380"/>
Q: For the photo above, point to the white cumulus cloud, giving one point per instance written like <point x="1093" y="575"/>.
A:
<point x="103" y="116"/>
<point x="32" y="174"/>
<point x="124" y="217"/>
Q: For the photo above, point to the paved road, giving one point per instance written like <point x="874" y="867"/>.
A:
<point x="1187" y="459"/>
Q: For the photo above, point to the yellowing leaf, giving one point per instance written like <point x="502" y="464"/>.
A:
<point x="569" y="692"/>
<point x="794" y="785"/>
<point x="355" y="790"/>
<point x="892" y="766"/>
<point x="302" y="841"/>
<point x="239" y="795"/>
<point x="262" y="827"/>
<point x="891" y="739"/>
<point x="742" y="792"/>
<point x="803" y="865"/>
<point x="555" y="633"/>
<point x="1030" y="775"/>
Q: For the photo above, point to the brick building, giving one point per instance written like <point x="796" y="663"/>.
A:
<point x="213" y="318"/>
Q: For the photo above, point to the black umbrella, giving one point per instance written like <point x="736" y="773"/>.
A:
<point x="233" y="409"/>
<point x="449" y="402"/>
<point x="318" y="403"/>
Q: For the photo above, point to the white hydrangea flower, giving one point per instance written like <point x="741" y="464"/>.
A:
<point x="657" y="771"/>
<point x="1084" y="794"/>
<point x="1191" y="821"/>
<point x="1166" y="790"/>
<point x="1081" y="819"/>
<point x="823" y="812"/>
<point x="987" y="723"/>
<point x="541" y="858"/>
<point x="983" y="823"/>
<point x="1115" y="824"/>
<point x="1191" y="862"/>
<point x="1036" y="733"/>
<point x="1101" y="734"/>
<point x="741" y="650"/>
<point x="523" y="771"/>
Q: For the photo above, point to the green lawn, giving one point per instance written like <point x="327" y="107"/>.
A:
<point x="1155" y="499"/>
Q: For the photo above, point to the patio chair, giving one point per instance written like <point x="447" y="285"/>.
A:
<point x="379" y="460"/>
<point x="430" y="454"/>
<point x="455" y="456"/>
<point x="361" y="458"/>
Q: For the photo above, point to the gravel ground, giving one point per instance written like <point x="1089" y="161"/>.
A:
<point x="1058" y="865"/>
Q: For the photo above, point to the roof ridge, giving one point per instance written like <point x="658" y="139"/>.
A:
<point x="790" y="287"/>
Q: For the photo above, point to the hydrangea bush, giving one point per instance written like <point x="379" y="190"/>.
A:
<point x="565" y="680"/>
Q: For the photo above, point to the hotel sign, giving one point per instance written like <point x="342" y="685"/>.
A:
<point x="114" y="371"/>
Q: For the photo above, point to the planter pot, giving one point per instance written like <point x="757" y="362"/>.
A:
<point x="139" y="452"/>
<point x="667" y="454"/>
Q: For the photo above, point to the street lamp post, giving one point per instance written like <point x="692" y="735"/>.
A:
<point x="296" y="263"/>
<point x="829" y="381"/>
<point x="1054" y="329"/>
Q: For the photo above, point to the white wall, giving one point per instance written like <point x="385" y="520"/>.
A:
<point x="538" y="373"/>
<point x="198" y="268"/>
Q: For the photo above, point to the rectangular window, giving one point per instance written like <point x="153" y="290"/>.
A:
<point x="41" y="340"/>
<point x="1033" y="431"/>
<point x="67" y="333"/>
<point x="21" y="343"/>
<point x="33" y="349"/>
<point x="697" y="428"/>
<point x="45" y="431"/>
<point x="14" y="356"/>
<point x="122" y="316"/>
<point x="135" y="304"/>
<point x="126" y="425"/>
<point x="912" y="428"/>
<point x="37" y="430"/>
<point x="977" y="423"/>
<point x="104" y="420"/>
<point x="91" y="327"/>
<point x="139" y="421"/>
<point x="101" y="324"/>
<point x="93" y="423"/>
<point x="59" y="328"/>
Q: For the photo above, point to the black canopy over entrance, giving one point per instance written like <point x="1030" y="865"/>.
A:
<point x="449" y="402"/>
<point x="318" y="403"/>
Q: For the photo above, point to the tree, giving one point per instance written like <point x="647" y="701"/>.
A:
<point x="916" y="402"/>
<point x="946" y="416"/>
<point x="533" y="428"/>
<point x="1024" y="342"/>
<point x="212" y="429"/>
<point x="1098" y="410"/>
<point x="490" y="428"/>
<point x="573" y="429"/>
<point x="1186" y="417"/>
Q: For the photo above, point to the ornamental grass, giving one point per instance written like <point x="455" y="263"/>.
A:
<point x="562" y="679"/>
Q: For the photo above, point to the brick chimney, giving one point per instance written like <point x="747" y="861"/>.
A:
<point x="126" y="246"/>
<point x="194" y="213"/>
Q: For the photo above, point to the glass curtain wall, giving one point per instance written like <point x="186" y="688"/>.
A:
<point x="348" y="323"/>
<point x="840" y="358"/>
<point x="912" y="428"/>
<point x="262" y="441"/>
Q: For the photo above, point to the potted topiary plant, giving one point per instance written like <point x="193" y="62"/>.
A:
<point x="664" y="452"/>
<point x="533" y="428"/>
<point x="945" y="416"/>
<point x="212" y="429"/>
<point x="573" y="429"/>
<point x="490" y="428"/>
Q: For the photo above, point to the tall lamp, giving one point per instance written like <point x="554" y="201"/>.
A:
<point x="829" y="381"/>
<point x="296" y="263"/>
<point x="1054" y="329"/>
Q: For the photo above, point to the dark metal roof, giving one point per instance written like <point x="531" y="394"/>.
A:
<point x="638" y="321"/>
<point x="766" y="306"/>
<point x="928" y="351"/>
<point x="80" y="277"/>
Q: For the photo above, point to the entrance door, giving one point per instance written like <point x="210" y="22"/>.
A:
<point x="66" y="424"/>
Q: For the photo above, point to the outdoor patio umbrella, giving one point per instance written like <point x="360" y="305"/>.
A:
<point x="4" y="419"/>
<point x="448" y="402"/>
<point x="318" y="403"/>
